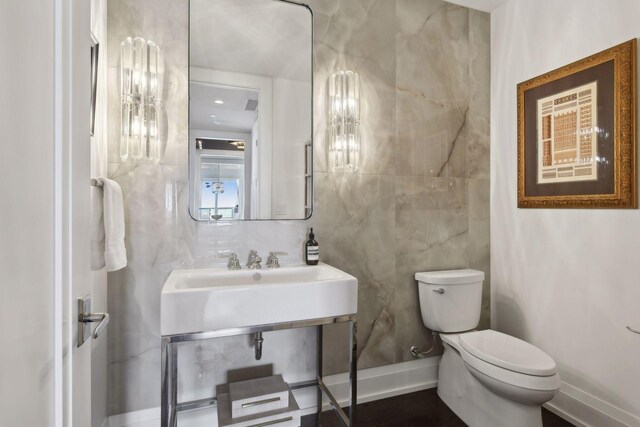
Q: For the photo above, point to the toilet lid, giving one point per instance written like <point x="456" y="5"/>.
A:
<point x="508" y="352"/>
<point x="450" y="277"/>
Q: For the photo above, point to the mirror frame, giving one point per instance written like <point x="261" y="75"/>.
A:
<point x="310" y="159"/>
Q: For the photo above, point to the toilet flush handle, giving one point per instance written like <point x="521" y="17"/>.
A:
<point x="439" y="291"/>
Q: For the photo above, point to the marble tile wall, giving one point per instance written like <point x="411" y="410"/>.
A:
<point x="421" y="200"/>
<point x="419" y="203"/>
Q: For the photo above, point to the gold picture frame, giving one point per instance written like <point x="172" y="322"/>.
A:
<point x="577" y="133"/>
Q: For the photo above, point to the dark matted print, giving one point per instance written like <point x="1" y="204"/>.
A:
<point x="577" y="134"/>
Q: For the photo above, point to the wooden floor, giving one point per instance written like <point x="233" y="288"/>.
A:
<point x="420" y="409"/>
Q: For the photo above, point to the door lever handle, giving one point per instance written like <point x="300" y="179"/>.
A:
<point x="103" y="318"/>
<point x="86" y="318"/>
<point x="635" y="331"/>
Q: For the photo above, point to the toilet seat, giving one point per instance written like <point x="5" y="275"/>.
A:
<point x="530" y="382"/>
<point x="508" y="352"/>
<point x="512" y="353"/>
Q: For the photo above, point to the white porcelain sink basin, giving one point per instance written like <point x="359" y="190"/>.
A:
<point x="215" y="298"/>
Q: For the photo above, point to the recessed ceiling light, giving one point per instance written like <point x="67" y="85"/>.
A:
<point x="213" y="116"/>
<point x="216" y="122"/>
<point x="218" y="101"/>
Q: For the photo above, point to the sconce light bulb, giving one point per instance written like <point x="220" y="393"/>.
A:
<point x="141" y="100"/>
<point x="344" y="98"/>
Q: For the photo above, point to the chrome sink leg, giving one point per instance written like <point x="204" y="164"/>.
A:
<point x="353" y="373"/>
<point x="169" y="398"/>
<point x="319" y="374"/>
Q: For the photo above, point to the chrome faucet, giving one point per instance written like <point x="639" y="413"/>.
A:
<point x="272" y="261"/>
<point x="254" y="260"/>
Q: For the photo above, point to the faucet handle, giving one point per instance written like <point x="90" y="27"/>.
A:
<point x="272" y="261"/>
<point x="234" y="261"/>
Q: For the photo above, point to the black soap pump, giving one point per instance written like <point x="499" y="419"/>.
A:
<point x="312" y="250"/>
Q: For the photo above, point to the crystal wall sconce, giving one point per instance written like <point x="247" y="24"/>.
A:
<point x="344" y="121"/>
<point x="141" y="99"/>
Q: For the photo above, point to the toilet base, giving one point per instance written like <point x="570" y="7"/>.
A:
<point x="476" y="405"/>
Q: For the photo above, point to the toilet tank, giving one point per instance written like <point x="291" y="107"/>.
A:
<point x="450" y="300"/>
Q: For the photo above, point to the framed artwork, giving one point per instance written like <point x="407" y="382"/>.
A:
<point x="95" y="52"/>
<point x="577" y="134"/>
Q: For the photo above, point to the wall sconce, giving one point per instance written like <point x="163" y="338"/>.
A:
<point x="141" y="99"/>
<point x="344" y="120"/>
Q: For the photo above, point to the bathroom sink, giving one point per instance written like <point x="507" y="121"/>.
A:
<point x="201" y="300"/>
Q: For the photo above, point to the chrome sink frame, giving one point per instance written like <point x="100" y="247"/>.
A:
<point x="170" y="406"/>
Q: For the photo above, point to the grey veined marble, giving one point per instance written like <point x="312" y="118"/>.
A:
<point x="420" y="201"/>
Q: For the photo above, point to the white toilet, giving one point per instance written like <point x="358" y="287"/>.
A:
<point x="489" y="379"/>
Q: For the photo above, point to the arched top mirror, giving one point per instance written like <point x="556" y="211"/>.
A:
<point x="250" y="110"/>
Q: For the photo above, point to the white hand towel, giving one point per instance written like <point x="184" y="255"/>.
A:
<point x="115" y="253"/>
<point x="97" y="229"/>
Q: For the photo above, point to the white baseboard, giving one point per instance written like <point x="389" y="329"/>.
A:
<point x="586" y="410"/>
<point x="373" y="384"/>
<point x="136" y="418"/>
<point x="387" y="381"/>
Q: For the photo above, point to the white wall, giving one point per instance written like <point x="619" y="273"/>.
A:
<point x="26" y="220"/>
<point x="291" y="131"/>
<point x="565" y="280"/>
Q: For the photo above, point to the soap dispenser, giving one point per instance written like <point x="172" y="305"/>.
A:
<point x="312" y="250"/>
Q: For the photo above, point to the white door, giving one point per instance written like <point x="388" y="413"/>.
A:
<point x="45" y="378"/>
<point x="27" y="355"/>
<point x="75" y="192"/>
<point x="44" y="210"/>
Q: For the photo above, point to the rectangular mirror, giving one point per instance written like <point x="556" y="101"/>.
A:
<point x="250" y="110"/>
